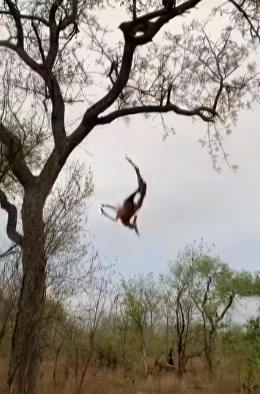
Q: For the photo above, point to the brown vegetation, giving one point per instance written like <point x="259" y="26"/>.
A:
<point x="146" y="335"/>
<point x="99" y="381"/>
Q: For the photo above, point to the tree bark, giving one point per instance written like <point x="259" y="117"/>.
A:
<point x="26" y="347"/>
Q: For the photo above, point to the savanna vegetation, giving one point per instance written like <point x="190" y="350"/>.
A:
<point x="173" y="333"/>
<point x="57" y="55"/>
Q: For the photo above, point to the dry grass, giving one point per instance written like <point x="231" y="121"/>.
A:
<point x="101" y="382"/>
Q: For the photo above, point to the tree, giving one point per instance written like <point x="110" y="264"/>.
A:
<point x="218" y="288"/>
<point x="141" y="299"/>
<point x="179" y="286"/>
<point x="43" y="71"/>
<point x="203" y="290"/>
<point x="69" y="265"/>
<point x="97" y="294"/>
<point x="240" y="347"/>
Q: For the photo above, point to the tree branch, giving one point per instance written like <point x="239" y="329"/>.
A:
<point x="11" y="210"/>
<point x="160" y="109"/>
<point x="28" y="17"/>
<point x="72" y="17"/>
<point x="90" y="117"/>
<point x="226" y="308"/>
<point x="54" y="35"/>
<point x="44" y="70"/>
<point x="9" y="251"/>
<point x="55" y="162"/>
<point x="58" y="105"/>
<point x="197" y="305"/>
<point x="16" y="15"/>
<point x="164" y="16"/>
<point x="55" y="29"/>
<point x="24" y="56"/>
<point x="14" y="155"/>
<point x="245" y="15"/>
<point x="58" y="158"/>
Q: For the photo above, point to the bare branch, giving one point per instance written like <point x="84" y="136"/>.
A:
<point x="14" y="155"/>
<point x="161" y="109"/>
<point x="11" y="210"/>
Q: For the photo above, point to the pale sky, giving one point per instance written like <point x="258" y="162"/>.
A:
<point x="186" y="198"/>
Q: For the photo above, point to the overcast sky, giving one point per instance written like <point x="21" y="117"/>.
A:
<point x="186" y="198"/>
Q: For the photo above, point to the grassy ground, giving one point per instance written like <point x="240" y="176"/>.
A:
<point x="101" y="382"/>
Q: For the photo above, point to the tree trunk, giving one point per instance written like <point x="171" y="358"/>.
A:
<point x="124" y="345"/>
<point x="179" y="353"/>
<point x="88" y="360"/>
<point x="210" y="352"/>
<point x="167" y="332"/>
<point x="3" y="329"/>
<point x="26" y="347"/>
<point x="209" y="362"/>
<point x="54" y="374"/>
<point x="144" y="353"/>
